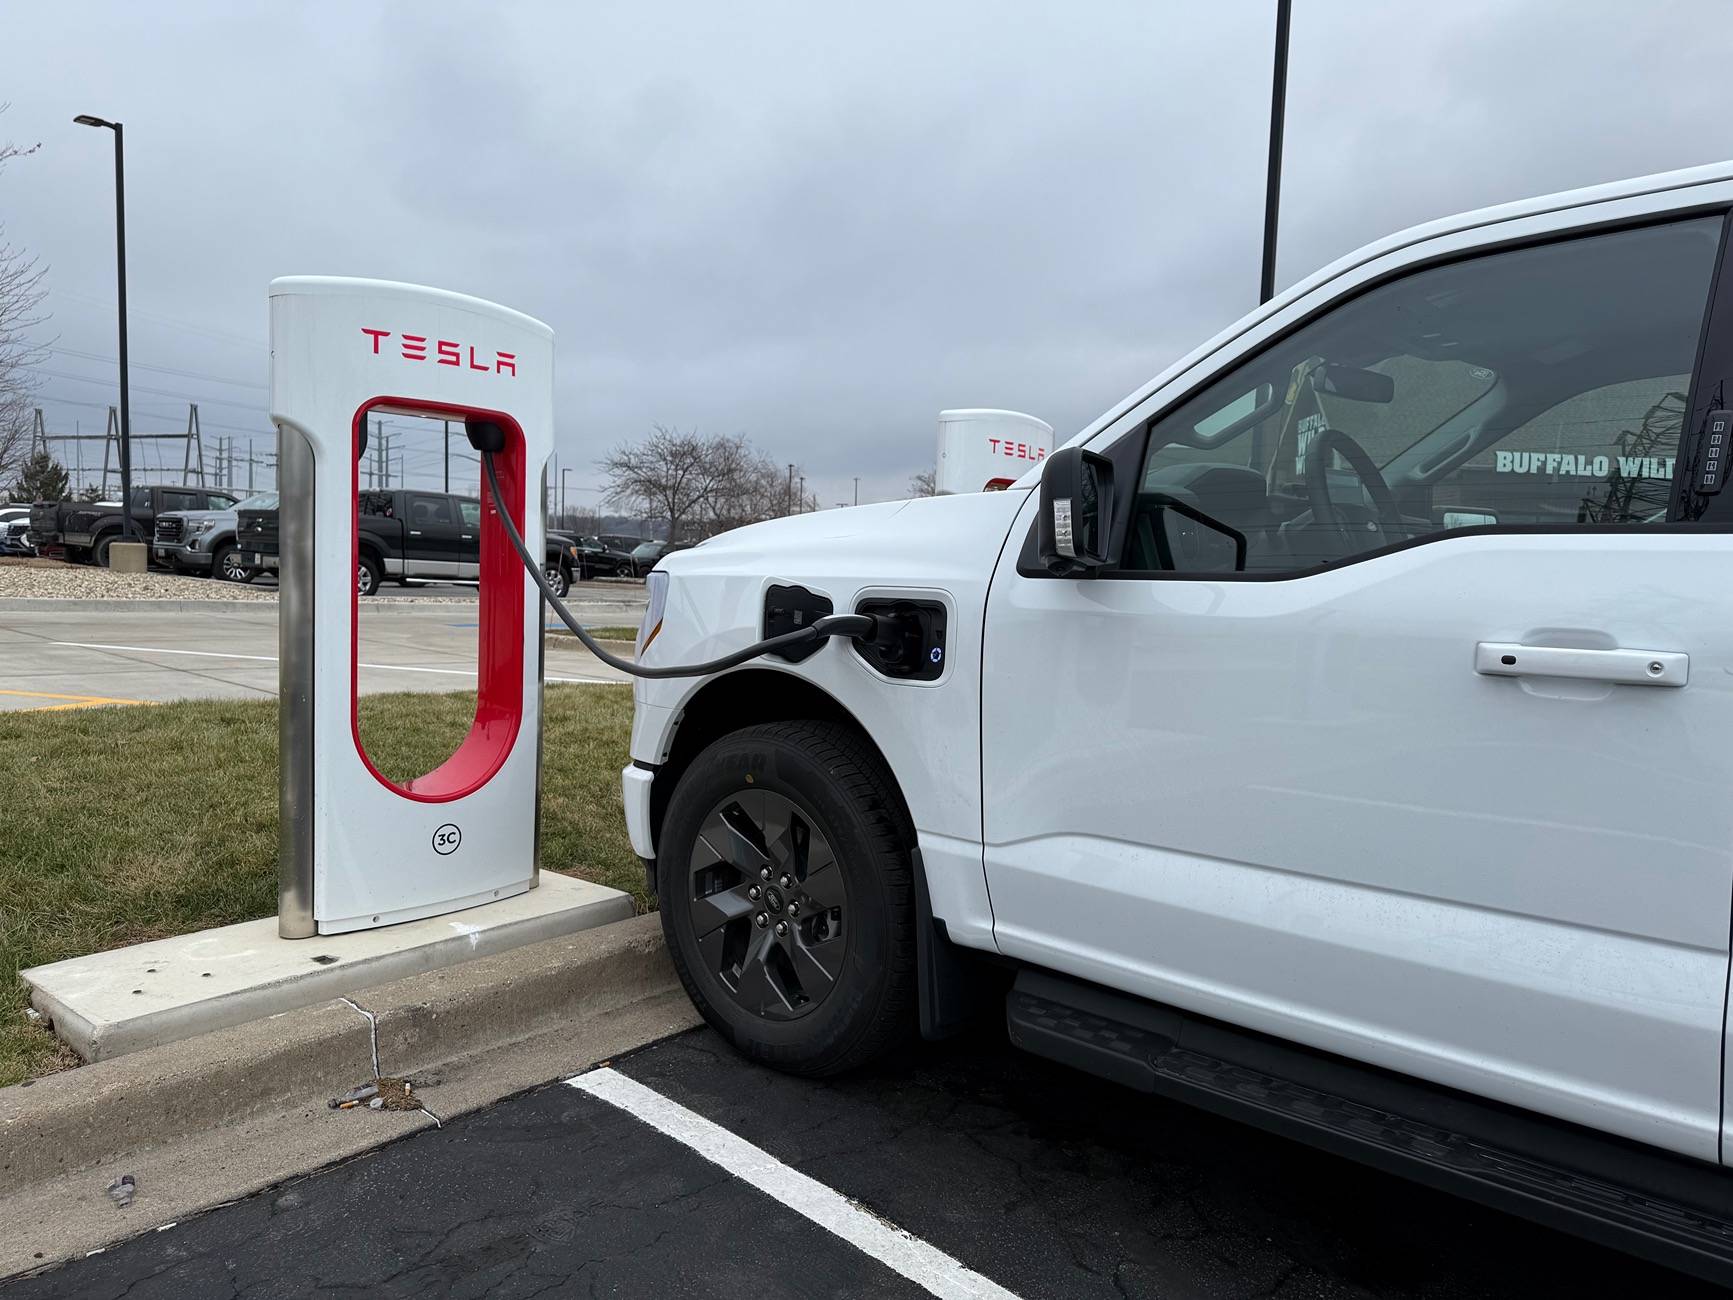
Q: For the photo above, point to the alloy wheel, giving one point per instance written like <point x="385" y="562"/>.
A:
<point x="768" y="904"/>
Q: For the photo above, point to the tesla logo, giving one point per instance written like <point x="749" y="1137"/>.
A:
<point x="444" y="352"/>
<point x="1017" y="450"/>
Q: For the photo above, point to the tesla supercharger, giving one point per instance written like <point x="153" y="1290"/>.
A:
<point x="357" y="849"/>
<point x="980" y="450"/>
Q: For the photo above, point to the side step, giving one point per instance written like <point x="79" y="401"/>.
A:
<point x="1666" y="1208"/>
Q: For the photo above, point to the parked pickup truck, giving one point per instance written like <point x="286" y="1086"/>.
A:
<point x="86" y="529"/>
<point x="1337" y="733"/>
<point x="203" y="541"/>
<point x="47" y="519"/>
<point x="408" y="535"/>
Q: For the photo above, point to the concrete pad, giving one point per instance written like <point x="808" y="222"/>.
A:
<point x="112" y="1003"/>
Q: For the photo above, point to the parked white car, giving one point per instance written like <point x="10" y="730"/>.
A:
<point x="15" y="531"/>
<point x="1335" y="733"/>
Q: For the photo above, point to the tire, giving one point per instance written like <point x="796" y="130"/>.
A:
<point x="558" y="577"/>
<point x="226" y="566"/>
<point x="810" y="1010"/>
<point x="99" y="552"/>
<point x="368" y="574"/>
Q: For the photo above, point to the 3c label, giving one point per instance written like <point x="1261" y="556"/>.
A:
<point x="446" y="839"/>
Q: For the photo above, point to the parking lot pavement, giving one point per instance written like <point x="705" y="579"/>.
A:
<point x="80" y="658"/>
<point x="696" y="1174"/>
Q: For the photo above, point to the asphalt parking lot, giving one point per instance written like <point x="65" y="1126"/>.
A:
<point x="85" y="656"/>
<point x="963" y="1169"/>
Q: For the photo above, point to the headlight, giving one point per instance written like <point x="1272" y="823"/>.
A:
<point x="203" y="526"/>
<point x="572" y="551"/>
<point x="657" y="587"/>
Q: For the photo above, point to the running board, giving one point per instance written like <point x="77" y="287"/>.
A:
<point x="1666" y="1208"/>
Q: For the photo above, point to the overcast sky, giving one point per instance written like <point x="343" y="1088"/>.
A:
<point x="811" y="226"/>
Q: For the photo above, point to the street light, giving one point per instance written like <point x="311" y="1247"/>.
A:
<point x="85" y="119"/>
<point x="563" y="473"/>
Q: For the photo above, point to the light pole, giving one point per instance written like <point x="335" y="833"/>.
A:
<point x="85" y="119"/>
<point x="857" y="489"/>
<point x="563" y="472"/>
<point x="1273" y="181"/>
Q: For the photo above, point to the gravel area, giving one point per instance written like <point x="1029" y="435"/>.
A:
<point x="51" y="580"/>
<point x="35" y="579"/>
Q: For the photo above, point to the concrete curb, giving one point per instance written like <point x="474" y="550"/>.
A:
<point x="83" y="1118"/>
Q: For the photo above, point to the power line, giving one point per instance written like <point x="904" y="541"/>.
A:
<point x="156" y="392"/>
<point x="110" y="305"/>
<point x="166" y="370"/>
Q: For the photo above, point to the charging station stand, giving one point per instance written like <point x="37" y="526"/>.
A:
<point x="356" y="849"/>
<point x="374" y="864"/>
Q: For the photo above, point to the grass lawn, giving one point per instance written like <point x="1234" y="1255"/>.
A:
<point x="124" y="824"/>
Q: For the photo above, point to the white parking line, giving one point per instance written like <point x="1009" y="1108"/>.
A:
<point x="271" y="659"/>
<point x="926" y="1266"/>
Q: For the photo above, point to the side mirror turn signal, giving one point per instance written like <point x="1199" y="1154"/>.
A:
<point x="1076" y="511"/>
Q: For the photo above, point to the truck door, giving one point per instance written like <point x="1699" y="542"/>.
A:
<point x="469" y="538"/>
<point x="1440" y="775"/>
<point x="432" y="545"/>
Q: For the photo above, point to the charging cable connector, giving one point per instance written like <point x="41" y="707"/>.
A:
<point x="488" y="438"/>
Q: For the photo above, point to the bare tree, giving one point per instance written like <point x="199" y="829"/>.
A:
<point x="702" y="484"/>
<point x="670" y="475"/>
<point x="924" y="484"/>
<point x="21" y="295"/>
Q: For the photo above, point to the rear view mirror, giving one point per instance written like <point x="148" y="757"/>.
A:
<point x="1354" y="384"/>
<point x="1076" y="511"/>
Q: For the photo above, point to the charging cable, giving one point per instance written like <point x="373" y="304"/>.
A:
<point x="488" y="438"/>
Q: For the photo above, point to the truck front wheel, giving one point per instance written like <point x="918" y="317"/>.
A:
<point x="786" y="893"/>
<point x="368" y="574"/>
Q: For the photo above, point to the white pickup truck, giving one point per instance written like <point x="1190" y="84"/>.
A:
<point x="1337" y="733"/>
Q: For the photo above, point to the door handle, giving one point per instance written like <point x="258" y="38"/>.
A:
<point x="415" y="532"/>
<point x="1626" y="667"/>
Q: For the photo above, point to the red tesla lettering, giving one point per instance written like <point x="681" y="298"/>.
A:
<point x="505" y="363"/>
<point x="376" y="335"/>
<point x="448" y="354"/>
<point x="415" y="347"/>
<point x="473" y="364"/>
<point x="994" y="444"/>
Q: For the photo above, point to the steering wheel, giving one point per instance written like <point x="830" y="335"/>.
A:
<point x="1324" y="511"/>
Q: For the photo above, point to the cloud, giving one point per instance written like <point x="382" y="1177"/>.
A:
<point x="811" y="225"/>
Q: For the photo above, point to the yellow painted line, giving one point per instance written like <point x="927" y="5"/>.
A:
<point x="72" y="701"/>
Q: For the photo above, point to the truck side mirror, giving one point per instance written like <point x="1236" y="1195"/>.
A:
<point x="1076" y="511"/>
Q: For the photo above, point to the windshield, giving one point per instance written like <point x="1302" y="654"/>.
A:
<point x="263" y="501"/>
<point x="646" y="550"/>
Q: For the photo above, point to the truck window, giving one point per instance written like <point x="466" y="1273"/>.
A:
<point x="430" y="511"/>
<point x="471" y="512"/>
<point x="1542" y="385"/>
<point x="184" y="501"/>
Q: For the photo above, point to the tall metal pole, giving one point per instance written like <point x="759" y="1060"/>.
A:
<point x="563" y="473"/>
<point x="1273" y="183"/>
<point x="857" y="489"/>
<point x="126" y="528"/>
<point x="447" y="424"/>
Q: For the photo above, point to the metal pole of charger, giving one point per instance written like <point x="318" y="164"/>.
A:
<point x="295" y="477"/>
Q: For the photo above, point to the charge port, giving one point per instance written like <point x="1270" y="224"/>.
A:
<point x="910" y="641"/>
<point x="788" y="609"/>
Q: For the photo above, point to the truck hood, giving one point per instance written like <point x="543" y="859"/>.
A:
<point x="894" y="541"/>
